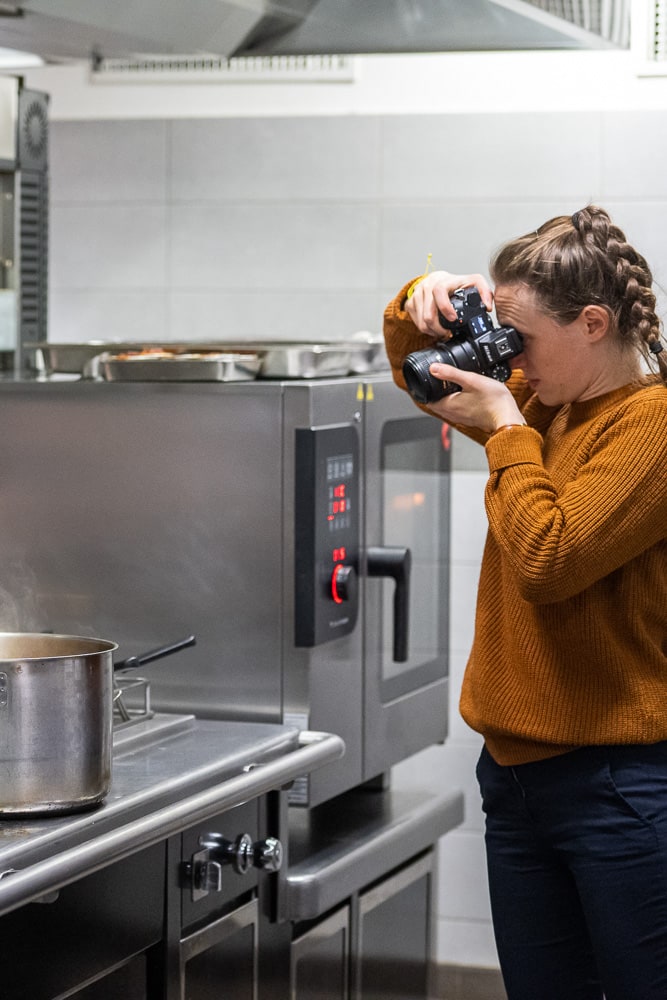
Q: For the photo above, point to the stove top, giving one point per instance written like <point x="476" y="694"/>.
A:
<point x="146" y="728"/>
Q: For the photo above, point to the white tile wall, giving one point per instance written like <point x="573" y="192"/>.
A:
<point x="275" y="159"/>
<point x="492" y="158"/>
<point x="304" y="227"/>
<point x="113" y="162"/>
<point x="121" y="247"/>
<point x="271" y="245"/>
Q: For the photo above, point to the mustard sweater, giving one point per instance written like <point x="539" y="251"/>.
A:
<point x="570" y="643"/>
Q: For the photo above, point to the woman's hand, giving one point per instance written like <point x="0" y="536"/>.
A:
<point x="483" y="402"/>
<point x="432" y="294"/>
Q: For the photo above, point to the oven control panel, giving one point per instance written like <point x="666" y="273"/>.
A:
<point x="327" y="533"/>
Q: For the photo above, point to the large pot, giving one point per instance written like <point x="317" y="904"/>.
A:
<point x="56" y="713"/>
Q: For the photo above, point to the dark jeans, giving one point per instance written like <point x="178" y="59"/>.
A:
<point x="577" y="859"/>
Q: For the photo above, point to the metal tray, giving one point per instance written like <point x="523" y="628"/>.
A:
<point x="304" y="361"/>
<point x="363" y="353"/>
<point x="199" y="367"/>
<point x="367" y="354"/>
<point x="81" y="358"/>
<point x="68" y="359"/>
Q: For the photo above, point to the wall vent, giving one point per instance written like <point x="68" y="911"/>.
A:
<point x="218" y="69"/>
<point x="649" y="37"/>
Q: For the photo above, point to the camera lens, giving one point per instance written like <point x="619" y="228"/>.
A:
<point x="422" y="386"/>
<point x="426" y="388"/>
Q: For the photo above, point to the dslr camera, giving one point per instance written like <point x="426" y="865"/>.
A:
<point x="476" y="345"/>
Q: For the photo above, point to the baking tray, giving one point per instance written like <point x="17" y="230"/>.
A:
<point x="301" y="359"/>
<point x="304" y="361"/>
<point x="363" y="353"/>
<point x="50" y="357"/>
<point x="368" y="355"/>
<point x="193" y="367"/>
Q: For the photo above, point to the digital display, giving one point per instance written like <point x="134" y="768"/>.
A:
<point x="478" y="324"/>
<point x="326" y="533"/>
<point x="340" y="470"/>
<point x="340" y="467"/>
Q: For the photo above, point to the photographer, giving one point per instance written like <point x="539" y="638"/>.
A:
<point x="567" y="677"/>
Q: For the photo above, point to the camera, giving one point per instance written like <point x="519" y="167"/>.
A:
<point x="476" y="345"/>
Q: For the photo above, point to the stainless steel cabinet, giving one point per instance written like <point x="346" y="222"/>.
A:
<point x="221" y="959"/>
<point x="222" y="862"/>
<point x="129" y="982"/>
<point x="394" y="937"/>
<point x="320" y="959"/>
<point x="94" y="940"/>
<point x="376" y="947"/>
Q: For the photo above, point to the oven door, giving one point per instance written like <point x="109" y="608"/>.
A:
<point x="405" y="571"/>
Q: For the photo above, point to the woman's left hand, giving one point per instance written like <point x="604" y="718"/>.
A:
<point x="483" y="402"/>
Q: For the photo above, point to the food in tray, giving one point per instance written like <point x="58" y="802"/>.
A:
<point x="176" y="365"/>
<point x="143" y="354"/>
<point x="162" y="353"/>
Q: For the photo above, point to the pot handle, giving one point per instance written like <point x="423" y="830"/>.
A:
<point x="154" y="654"/>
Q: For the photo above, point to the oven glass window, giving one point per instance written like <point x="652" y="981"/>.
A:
<point x="415" y="515"/>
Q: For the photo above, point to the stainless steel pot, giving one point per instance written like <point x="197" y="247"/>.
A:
<point x="56" y="706"/>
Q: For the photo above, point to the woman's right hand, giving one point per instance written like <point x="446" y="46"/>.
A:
<point x="432" y="294"/>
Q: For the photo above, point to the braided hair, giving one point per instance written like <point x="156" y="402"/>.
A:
<point x="584" y="259"/>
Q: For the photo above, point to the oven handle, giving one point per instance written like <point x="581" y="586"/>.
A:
<point x="20" y="886"/>
<point x="395" y="561"/>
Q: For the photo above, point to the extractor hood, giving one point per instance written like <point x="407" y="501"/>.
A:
<point x="367" y="26"/>
<point x="81" y="29"/>
<point x="78" y="29"/>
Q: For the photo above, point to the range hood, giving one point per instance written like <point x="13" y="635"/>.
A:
<point x="61" y="30"/>
<point x="80" y="29"/>
<point x="351" y="26"/>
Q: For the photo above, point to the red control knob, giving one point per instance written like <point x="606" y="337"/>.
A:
<point x="343" y="583"/>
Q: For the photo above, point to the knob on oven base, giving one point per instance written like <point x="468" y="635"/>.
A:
<point x="203" y="873"/>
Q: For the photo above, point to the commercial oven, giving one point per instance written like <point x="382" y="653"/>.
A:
<point x="298" y="528"/>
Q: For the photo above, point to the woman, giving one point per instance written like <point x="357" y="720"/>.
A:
<point x="567" y="677"/>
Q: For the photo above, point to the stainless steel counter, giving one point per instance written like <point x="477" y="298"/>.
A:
<point x="168" y="773"/>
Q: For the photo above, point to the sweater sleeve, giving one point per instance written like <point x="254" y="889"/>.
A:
<point x="401" y="336"/>
<point x="609" y="510"/>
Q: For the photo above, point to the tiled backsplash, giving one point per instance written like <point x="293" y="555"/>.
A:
<point x="304" y="227"/>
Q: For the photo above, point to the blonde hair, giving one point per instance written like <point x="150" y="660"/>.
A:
<point x="584" y="259"/>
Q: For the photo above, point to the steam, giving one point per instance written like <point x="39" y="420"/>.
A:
<point x="18" y="601"/>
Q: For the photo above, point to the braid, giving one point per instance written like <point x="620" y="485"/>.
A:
<point x="635" y="317"/>
<point x="585" y="259"/>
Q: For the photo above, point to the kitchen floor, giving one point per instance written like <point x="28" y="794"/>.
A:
<point x="454" y="982"/>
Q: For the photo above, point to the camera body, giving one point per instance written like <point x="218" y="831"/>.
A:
<point x="476" y="345"/>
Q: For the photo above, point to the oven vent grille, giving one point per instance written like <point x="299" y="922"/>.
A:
<point x="33" y="257"/>
<point x="218" y="69"/>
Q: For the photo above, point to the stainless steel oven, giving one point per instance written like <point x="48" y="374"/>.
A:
<point x="298" y="528"/>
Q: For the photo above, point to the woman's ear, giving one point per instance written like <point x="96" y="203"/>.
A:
<point x="596" y="322"/>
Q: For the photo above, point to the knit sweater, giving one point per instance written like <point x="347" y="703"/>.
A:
<point x="570" y="645"/>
